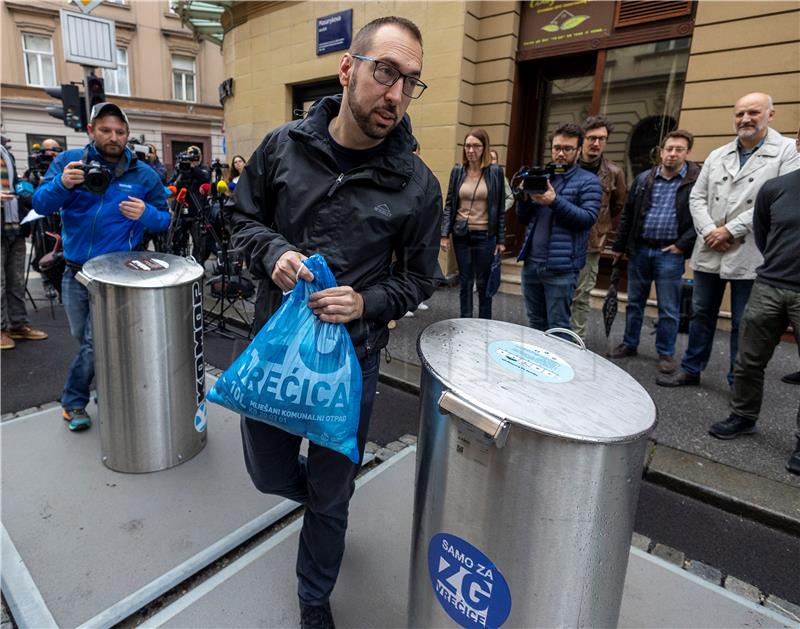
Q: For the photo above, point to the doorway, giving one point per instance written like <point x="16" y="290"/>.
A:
<point x="176" y="144"/>
<point x="303" y="96"/>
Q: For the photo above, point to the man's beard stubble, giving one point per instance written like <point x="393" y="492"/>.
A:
<point x="110" y="150"/>
<point x="362" y="117"/>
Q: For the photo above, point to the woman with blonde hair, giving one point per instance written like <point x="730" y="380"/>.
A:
<point x="474" y="213"/>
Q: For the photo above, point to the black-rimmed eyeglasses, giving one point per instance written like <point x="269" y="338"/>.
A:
<point x="388" y="75"/>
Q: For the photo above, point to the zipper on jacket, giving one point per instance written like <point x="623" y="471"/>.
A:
<point x="367" y="345"/>
<point x="94" y="222"/>
<point x="335" y="184"/>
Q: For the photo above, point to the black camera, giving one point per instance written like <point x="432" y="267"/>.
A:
<point x="218" y="166"/>
<point x="184" y="161"/>
<point x="38" y="163"/>
<point x="97" y="177"/>
<point x="534" y="179"/>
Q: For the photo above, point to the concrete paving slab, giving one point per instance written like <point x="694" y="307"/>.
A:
<point x="259" y="589"/>
<point x="99" y="544"/>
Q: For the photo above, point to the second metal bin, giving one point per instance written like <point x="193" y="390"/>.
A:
<point x="529" y="459"/>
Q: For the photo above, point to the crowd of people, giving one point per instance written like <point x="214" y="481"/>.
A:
<point x="732" y="228"/>
<point x="347" y="181"/>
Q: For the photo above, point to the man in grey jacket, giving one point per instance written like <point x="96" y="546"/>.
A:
<point x="722" y="211"/>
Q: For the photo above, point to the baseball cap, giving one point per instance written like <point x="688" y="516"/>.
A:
<point x="105" y="109"/>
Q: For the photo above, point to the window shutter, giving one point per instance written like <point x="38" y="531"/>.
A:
<point x="632" y="12"/>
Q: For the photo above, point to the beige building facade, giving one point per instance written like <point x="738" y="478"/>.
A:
<point x="167" y="80"/>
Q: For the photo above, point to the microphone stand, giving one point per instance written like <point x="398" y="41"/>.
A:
<point x="217" y="322"/>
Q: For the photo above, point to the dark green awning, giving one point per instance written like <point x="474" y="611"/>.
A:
<point x="204" y="18"/>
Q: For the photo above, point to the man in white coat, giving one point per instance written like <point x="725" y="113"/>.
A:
<point x="721" y="204"/>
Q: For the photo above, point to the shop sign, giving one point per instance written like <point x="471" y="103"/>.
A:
<point x="334" y="32"/>
<point x="547" y="23"/>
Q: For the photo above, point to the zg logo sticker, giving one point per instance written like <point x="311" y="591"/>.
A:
<point x="467" y="584"/>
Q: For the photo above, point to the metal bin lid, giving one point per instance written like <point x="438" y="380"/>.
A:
<point x="142" y="269"/>
<point x="535" y="380"/>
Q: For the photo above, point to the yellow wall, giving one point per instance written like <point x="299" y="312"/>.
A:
<point x="468" y="64"/>
<point x="741" y="47"/>
<point x="275" y="49"/>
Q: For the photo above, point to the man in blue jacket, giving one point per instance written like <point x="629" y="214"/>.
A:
<point x="94" y="223"/>
<point x="558" y="223"/>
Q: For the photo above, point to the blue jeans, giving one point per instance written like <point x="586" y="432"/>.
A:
<point x="324" y="482"/>
<point x="649" y="265"/>
<point x="81" y="371"/>
<point x="474" y="254"/>
<point x="548" y="295"/>
<point x="706" y="300"/>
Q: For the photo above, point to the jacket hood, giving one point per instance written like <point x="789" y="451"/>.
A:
<point x="396" y="157"/>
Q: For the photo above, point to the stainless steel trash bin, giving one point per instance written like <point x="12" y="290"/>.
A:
<point x="147" y="316"/>
<point x="529" y="459"/>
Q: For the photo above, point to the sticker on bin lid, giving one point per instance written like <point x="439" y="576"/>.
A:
<point x="531" y="361"/>
<point x="467" y="584"/>
<point x="147" y="264"/>
<point x="200" y="418"/>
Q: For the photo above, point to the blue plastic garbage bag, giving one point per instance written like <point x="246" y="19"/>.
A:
<point x="299" y="373"/>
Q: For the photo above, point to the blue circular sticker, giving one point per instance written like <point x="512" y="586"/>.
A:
<point x="468" y="586"/>
<point x="531" y="361"/>
<point x="200" y="418"/>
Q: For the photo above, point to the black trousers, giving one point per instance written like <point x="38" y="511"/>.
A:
<point x="324" y="482"/>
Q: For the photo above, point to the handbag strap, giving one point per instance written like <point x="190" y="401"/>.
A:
<point x="474" y="192"/>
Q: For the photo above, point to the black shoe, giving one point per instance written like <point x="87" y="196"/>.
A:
<point x="791" y="378"/>
<point x="732" y="427"/>
<point x="683" y="379"/>
<point x="316" y="617"/>
<point x="622" y="351"/>
<point x="793" y="464"/>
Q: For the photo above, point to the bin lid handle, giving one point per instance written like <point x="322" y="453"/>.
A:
<point x="497" y="429"/>
<point x="578" y="339"/>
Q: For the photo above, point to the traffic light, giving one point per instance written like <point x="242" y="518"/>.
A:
<point x="95" y="93"/>
<point x="70" y="110"/>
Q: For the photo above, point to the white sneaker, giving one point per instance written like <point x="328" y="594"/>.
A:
<point x="423" y="306"/>
<point x="409" y="314"/>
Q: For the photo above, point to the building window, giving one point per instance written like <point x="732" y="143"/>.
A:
<point x="117" y="81"/>
<point x="183" y="78"/>
<point x="673" y="44"/>
<point x="40" y="69"/>
<point x="641" y="94"/>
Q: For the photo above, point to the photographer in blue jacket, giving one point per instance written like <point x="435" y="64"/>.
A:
<point x="558" y="222"/>
<point x="107" y="199"/>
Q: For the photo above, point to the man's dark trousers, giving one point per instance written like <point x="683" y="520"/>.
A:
<point x="709" y="289"/>
<point x="769" y="312"/>
<point x="323" y="483"/>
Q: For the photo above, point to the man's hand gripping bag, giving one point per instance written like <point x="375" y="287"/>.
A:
<point x="299" y="373"/>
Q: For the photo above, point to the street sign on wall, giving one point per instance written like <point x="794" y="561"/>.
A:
<point x="89" y="40"/>
<point x="334" y="32"/>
